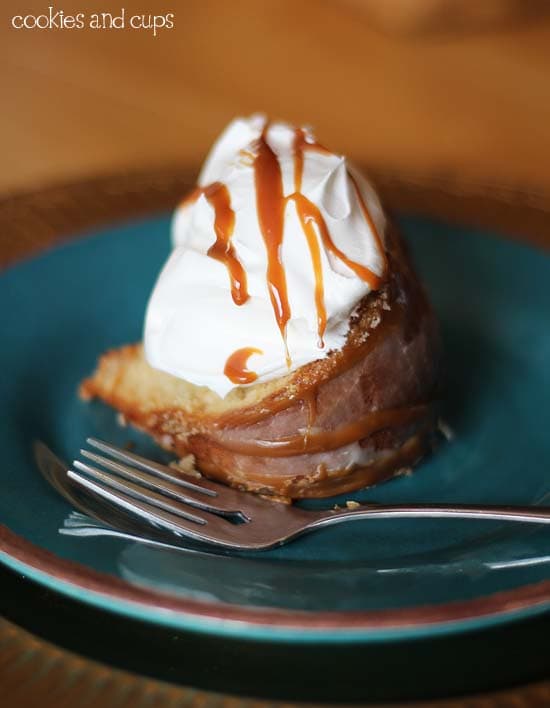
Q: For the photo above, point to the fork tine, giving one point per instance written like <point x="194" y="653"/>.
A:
<point x="247" y="506"/>
<point x="135" y="491"/>
<point x="156" y="517"/>
<point x="158" y="484"/>
<point x="212" y="530"/>
<point x="149" y="466"/>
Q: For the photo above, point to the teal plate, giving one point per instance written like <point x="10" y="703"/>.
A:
<point x="363" y="582"/>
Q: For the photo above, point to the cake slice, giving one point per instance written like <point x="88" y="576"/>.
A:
<point x="361" y="414"/>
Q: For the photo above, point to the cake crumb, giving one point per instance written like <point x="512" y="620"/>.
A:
<point x="352" y="504"/>
<point x="187" y="466"/>
<point x="122" y="420"/>
<point x="275" y="498"/>
<point x="404" y="472"/>
<point x="375" y="320"/>
<point x="385" y="304"/>
<point x="445" y="430"/>
<point x="166" y="441"/>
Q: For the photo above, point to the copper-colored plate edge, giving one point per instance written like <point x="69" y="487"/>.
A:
<point x="510" y="601"/>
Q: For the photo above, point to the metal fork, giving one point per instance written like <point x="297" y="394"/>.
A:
<point x="208" y="512"/>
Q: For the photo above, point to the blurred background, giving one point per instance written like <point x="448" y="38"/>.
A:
<point x="428" y="91"/>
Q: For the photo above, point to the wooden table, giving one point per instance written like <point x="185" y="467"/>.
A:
<point x="468" y="106"/>
<point x="458" y="125"/>
<point x="35" y="673"/>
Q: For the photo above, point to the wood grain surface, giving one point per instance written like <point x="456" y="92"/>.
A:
<point x="35" y="673"/>
<point x="75" y="102"/>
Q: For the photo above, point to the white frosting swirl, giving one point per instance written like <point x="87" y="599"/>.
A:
<point x="193" y="324"/>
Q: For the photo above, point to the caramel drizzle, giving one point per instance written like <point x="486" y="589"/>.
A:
<point x="236" y="368"/>
<point x="310" y="216"/>
<point x="310" y="402"/>
<point x="311" y="213"/>
<point x="374" y="230"/>
<point x="307" y="222"/>
<point x="270" y="204"/>
<point x="344" y="360"/>
<point x="223" y="250"/>
<point x="326" y="440"/>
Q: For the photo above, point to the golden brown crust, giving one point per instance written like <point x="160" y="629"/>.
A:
<point x="352" y="419"/>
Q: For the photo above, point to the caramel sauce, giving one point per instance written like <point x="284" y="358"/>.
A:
<point x="270" y="204"/>
<point x="342" y="481"/>
<point x="326" y="440"/>
<point x="315" y="252"/>
<point x="310" y="216"/>
<point x="222" y="250"/>
<point x="236" y="366"/>
<point x="370" y="222"/>
<point x="321" y="484"/>
<point x="309" y="400"/>
<point x="300" y="144"/>
<point x="341" y="361"/>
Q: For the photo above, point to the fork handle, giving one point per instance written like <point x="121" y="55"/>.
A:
<point x="529" y="514"/>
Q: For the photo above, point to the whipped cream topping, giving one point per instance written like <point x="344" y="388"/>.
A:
<point x="271" y="254"/>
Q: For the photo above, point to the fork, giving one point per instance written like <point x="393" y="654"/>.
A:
<point x="208" y="512"/>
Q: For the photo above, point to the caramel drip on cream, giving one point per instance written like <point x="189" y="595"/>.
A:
<point x="307" y="223"/>
<point x="270" y="204"/>
<point x="223" y="250"/>
<point x="236" y="368"/>
<point x="309" y="214"/>
<point x="308" y="220"/>
<point x="313" y="215"/>
<point x="311" y="219"/>
<point x="376" y="235"/>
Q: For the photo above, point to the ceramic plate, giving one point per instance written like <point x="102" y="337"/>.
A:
<point x="375" y="580"/>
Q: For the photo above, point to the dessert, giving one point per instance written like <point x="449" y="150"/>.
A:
<point x="288" y="343"/>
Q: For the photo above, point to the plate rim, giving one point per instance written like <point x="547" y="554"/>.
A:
<point x="109" y="592"/>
